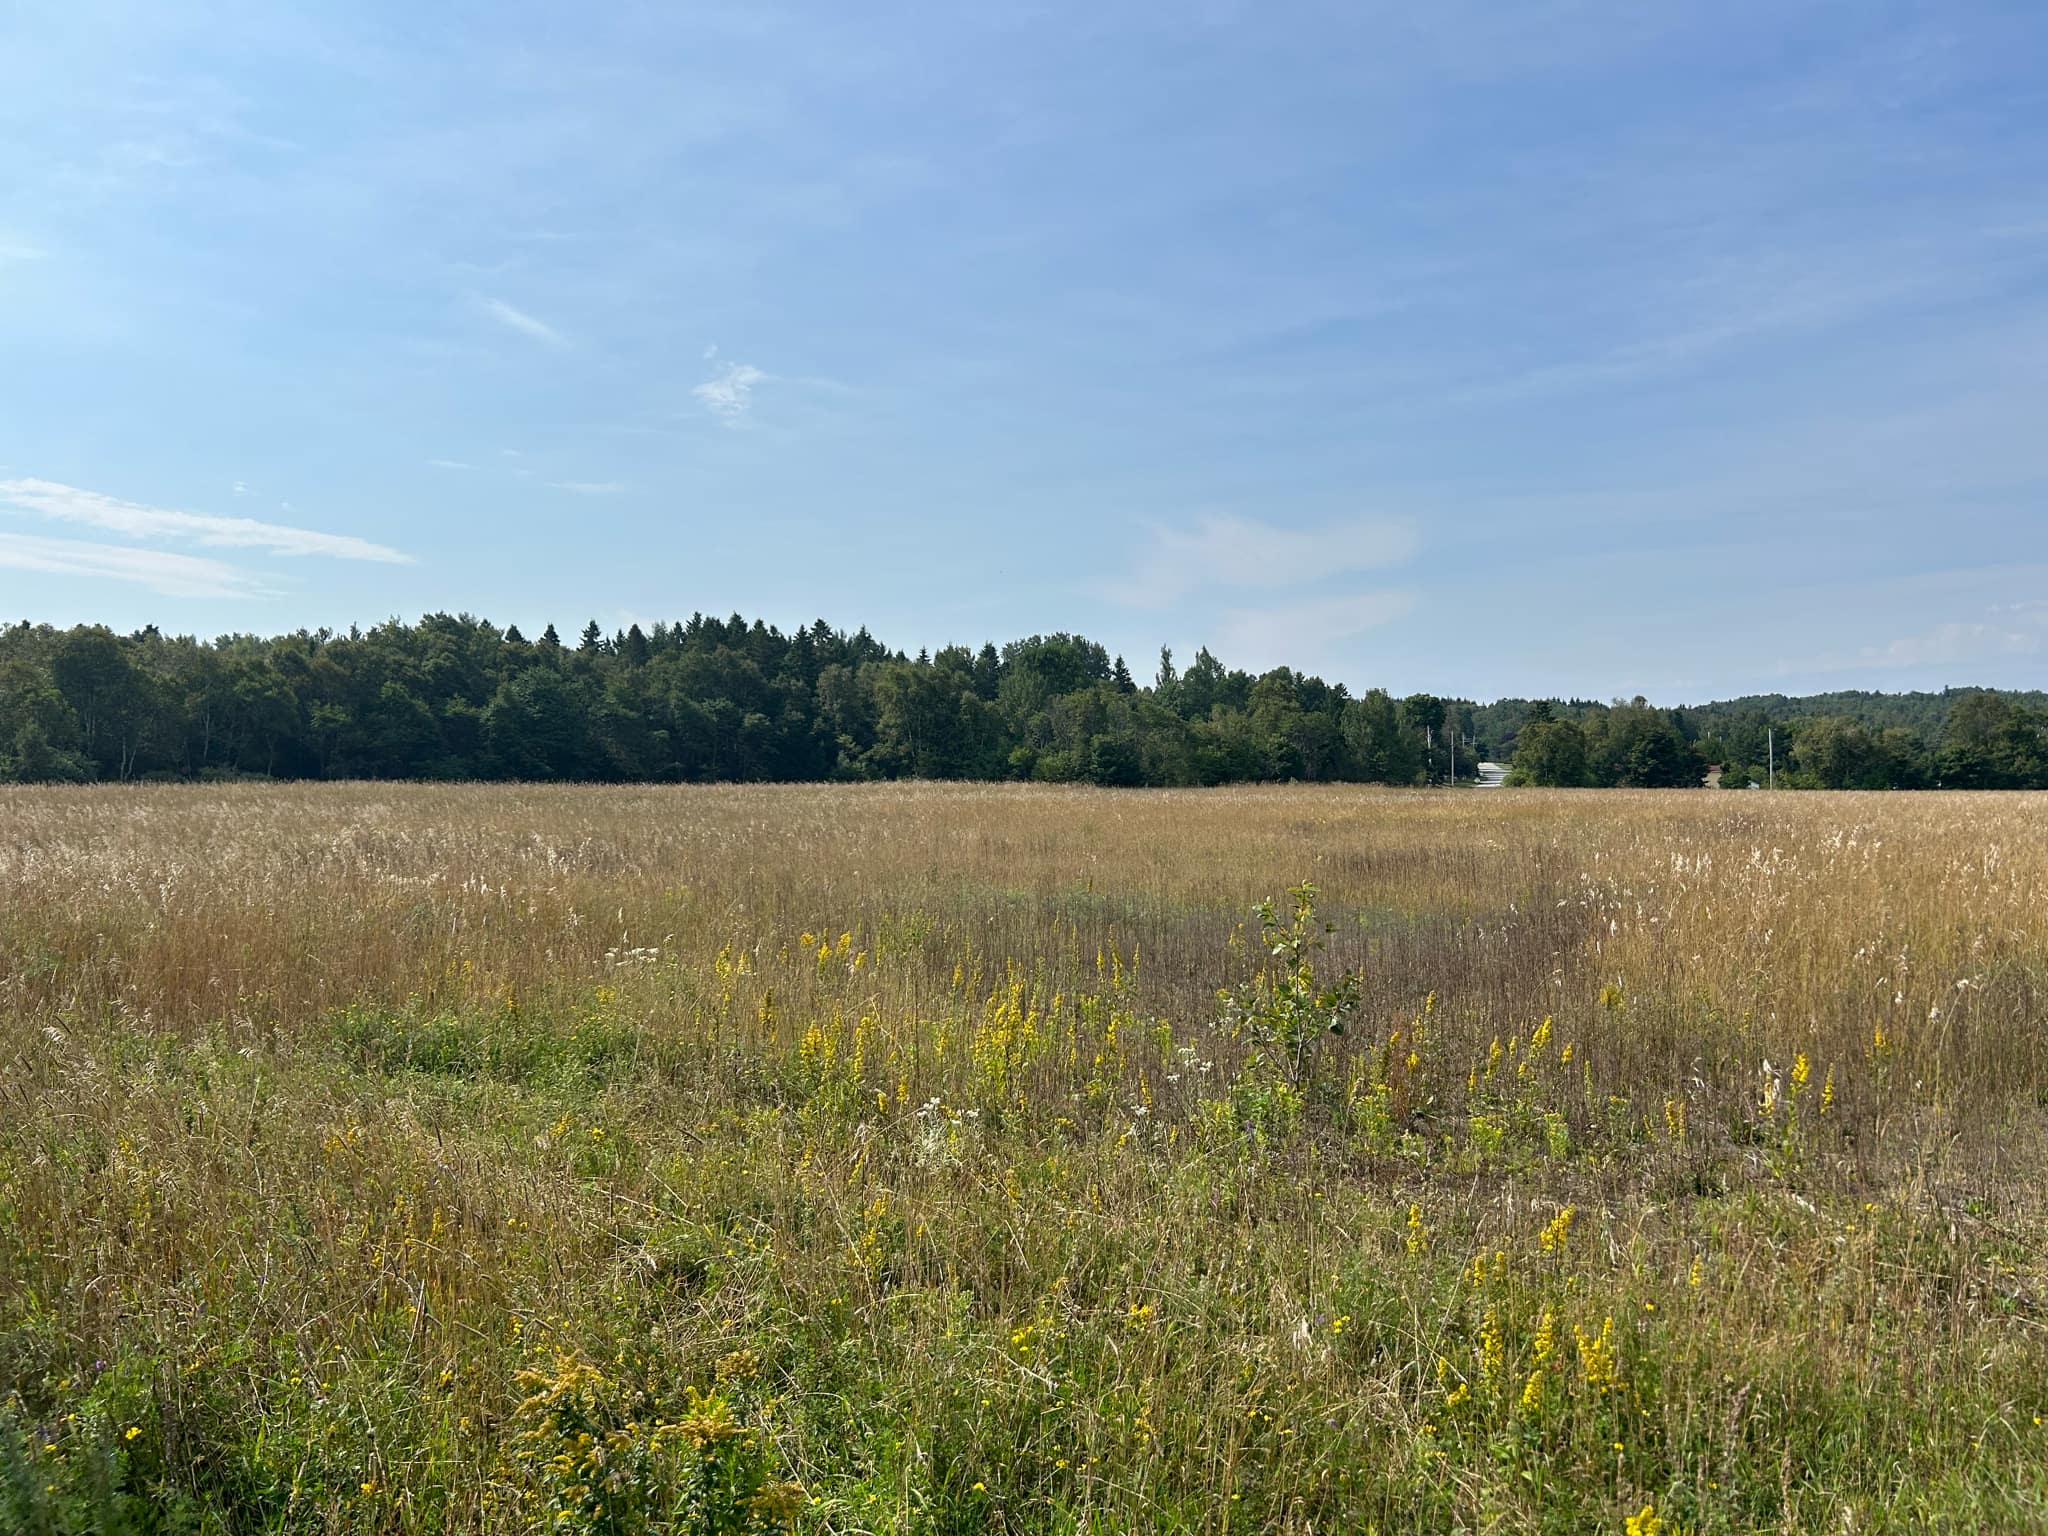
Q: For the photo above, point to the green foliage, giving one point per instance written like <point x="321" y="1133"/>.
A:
<point x="1637" y="747"/>
<point x="98" y="1470"/>
<point x="1286" y="1014"/>
<point x="1384" y="748"/>
<point x="914" y="1187"/>
<point x="594" y="1457"/>
<point x="1551" y="754"/>
<point x="453" y="697"/>
<point x="1958" y="739"/>
<point x="509" y="1045"/>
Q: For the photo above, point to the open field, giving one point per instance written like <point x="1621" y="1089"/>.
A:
<point x="882" y="1159"/>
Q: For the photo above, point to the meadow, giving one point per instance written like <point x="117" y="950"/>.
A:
<point x="907" y="1158"/>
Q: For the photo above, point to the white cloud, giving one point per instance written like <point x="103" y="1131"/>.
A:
<point x="448" y="464"/>
<point x="1294" y="634"/>
<point x="241" y="487"/>
<point x="2007" y="629"/>
<point x="14" y="250"/>
<point x="731" y="395"/>
<point x="67" y="503"/>
<point x="519" y="320"/>
<point x="1775" y="306"/>
<point x="1221" y="550"/>
<point x="590" y="487"/>
<point x="162" y="571"/>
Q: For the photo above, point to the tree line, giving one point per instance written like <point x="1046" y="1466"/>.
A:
<point x="1961" y="739"/>
<point x="455" y="697"/>
<point x="708" y="699"/>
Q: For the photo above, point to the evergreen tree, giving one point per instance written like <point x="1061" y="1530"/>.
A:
<point x="734" y="698"/>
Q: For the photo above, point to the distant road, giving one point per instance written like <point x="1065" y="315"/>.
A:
<point x="1491" y="775"/>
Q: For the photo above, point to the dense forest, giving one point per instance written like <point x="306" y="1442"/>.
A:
<point x="454" y="697"/>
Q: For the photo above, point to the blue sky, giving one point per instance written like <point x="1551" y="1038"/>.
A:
<point x="1564" y="346"/>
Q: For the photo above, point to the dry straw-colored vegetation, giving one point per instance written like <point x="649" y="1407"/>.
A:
<point x="885" y="1159"/>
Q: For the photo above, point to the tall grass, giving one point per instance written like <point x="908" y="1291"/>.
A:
<point x="884" y="1159"/>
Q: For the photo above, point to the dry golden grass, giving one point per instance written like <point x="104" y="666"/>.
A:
<point x="894" y="1120"/>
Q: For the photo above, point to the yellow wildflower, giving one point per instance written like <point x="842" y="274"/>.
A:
<point x="1597" y="1356"/>
<point x="1492" y="1347"/>
<point x="1546" y="1335"/>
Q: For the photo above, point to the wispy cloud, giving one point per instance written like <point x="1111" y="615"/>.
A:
<point x="1292" y="634"/>
<point x="1761" y="307"/>
<point x="162" y="571"/>
<point x="590" y="487"/>
<point x="67" y="503"/>
<point x="730" y="395"/>
<point x="2006" y="629"/>
<point x="1224" y="551"/>
<point x="16" y="250"/>
<point x="448" y="464"/>
<point x="519" y="320"/>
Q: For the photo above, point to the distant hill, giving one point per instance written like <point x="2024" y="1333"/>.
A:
<point x="1959" y="738"/>
<point x="1923" y="713"/>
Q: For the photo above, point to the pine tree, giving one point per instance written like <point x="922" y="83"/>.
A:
<point x="988" y="670"/>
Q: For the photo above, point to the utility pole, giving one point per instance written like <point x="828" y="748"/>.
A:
<point x="1771" y="750"/>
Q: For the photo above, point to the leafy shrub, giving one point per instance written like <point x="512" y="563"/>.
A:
<point x="1286" y="1014"/>
<point x="595" y="1458"/>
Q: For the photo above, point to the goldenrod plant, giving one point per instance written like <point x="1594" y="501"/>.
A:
<point x="865" y="1159"/>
